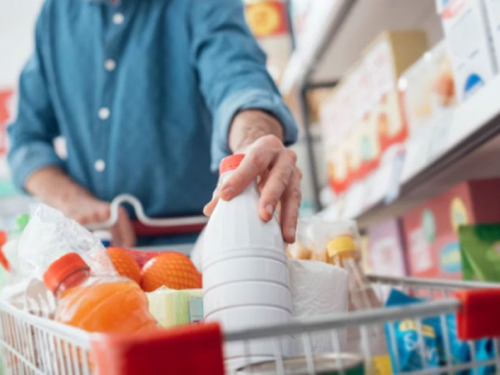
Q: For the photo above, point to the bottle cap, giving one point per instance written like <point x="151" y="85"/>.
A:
<point x="341" y="244"/>
<point x="230" y="163"/>
<point x="62" y="268"/>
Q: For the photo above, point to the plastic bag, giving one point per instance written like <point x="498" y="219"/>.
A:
<point x="49" y="235"/>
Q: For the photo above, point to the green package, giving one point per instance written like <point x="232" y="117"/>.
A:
<point x="480" y="251"/>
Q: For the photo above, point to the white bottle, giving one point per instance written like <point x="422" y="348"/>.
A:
<point x="245" y="273"/>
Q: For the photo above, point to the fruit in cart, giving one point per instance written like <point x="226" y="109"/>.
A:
<point x="173" y="270"/>
<point x="125" y="263"/>
<point x="100" y="303"/>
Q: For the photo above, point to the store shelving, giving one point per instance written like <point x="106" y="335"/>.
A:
<point x="467" y="147"/>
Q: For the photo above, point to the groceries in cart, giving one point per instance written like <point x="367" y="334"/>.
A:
<point x="421" y="344"/>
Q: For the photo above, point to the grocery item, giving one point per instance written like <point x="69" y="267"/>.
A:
<point x="431" y="229"/>
<point x="410" y="358"/>
<point x="102" y="303"/>
<point x="386" y="250"/>
<point x="125" y="263"/>
<point x="428" y="89"/>
<point x="318" y="289"/>
<point x="386" y="59"/>
<point x="342" y="251"/>
<point x="465" y="27"/>
<point x="245" y="258"/>
<point x="173" y="270"/>
<point x="176" y="307"/>
<point x="480" y="251"/>
<point x="433" y="330"/>
<point x="331" y="364"/>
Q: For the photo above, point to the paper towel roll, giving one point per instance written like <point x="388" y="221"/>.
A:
<point x="318" y="288"/>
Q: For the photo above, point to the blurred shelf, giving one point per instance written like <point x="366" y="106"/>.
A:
<point x="343" y="28"/>
<point x="465" y="147"/>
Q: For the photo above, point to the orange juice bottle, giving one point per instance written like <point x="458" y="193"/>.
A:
<point x="96" y="303"/>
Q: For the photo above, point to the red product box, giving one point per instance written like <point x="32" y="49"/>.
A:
<point x="431" y="230"/>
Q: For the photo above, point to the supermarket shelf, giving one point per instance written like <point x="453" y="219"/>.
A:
<point x="466" y="148"/>
<point x="343" y="28"/>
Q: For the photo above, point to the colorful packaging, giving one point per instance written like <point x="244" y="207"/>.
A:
<point x="409" y="352"/>
<point x="466" y="29"/>
<point x="431" y="230"/>
<point x="387" y="58"/>
<point x="407" y="339"/>
<point x="480" y="250"/>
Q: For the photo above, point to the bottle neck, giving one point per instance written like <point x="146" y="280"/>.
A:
<point x="74" y="279"/>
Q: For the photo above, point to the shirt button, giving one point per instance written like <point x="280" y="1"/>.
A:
<point x="99" y="165"/>
<point x="118" y="18"/>
<point x="104" y="113"/>
<point x="110" y="65"/>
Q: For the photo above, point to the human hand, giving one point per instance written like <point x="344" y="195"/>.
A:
<point x="89" y="210"/>
<point x="270" y="160"/>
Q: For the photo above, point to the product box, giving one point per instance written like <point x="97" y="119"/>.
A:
<point x="428" y="89"/>
<point x="386" y="250"/>
<point x="387" y="58"/>
<point x="493" y="14"/>
<point x="431" y="230"/>
<point x="466" y="30"/>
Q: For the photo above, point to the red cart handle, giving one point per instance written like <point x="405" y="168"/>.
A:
<point x="479" y="313"/>
<point x="194" y="350"/>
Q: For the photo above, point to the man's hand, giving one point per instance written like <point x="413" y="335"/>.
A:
<point x="55" y="188"/>
<point x="259" y="136"/>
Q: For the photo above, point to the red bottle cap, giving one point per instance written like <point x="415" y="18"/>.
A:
<point x="230" y="163"/>
<point x="62" y="268"/>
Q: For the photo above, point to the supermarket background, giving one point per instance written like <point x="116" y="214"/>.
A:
<point x="399" y="109"/>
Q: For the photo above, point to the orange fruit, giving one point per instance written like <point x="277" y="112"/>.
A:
<point x="173" y="270"/>
<point x="125" y="263"/>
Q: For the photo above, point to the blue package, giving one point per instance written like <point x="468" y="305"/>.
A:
<point x="407" y="339"/>
<point x="460" y="351"/>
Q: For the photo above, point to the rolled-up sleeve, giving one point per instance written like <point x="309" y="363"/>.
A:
<point x="232" y="71"/>
<point x="32" y="133"/>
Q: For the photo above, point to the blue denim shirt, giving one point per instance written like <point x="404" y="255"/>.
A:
<point x="144" y="91"/>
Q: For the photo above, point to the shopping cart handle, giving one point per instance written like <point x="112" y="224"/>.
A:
<point x="143" y="219"/>
<point x="478" y="316"/>
<point x="193" y="349"/>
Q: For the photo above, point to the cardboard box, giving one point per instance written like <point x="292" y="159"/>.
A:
<point x="387" y="58"/>
<point x="386" y="249"/>
<point x="428" y="89"/>
<point x="493" y="14"/>
<point x="431" y="230"/>
<point x="467" y="35"/>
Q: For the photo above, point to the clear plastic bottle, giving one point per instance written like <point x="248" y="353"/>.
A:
<point x="109" y="304"/>
<point x="245" y="272"/>
<point x="342" y="251"/>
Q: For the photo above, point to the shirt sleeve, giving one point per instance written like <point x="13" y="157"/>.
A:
<point x="232" y="71"/>
<point x="35" y="127"/>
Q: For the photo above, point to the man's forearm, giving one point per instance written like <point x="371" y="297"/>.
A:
<point x="250" y="125"/>
<point x="54" y="187"/>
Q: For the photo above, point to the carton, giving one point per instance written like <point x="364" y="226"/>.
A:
<point x="387" y="58"/>
<point x="467" y="35"/>
<point x="431" y="230"/>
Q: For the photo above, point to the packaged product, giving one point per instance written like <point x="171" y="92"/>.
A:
<point x="176" y="307"/>
<point x="480" y="251"/>
<point x="493" y="14"/>
<point x="465" y="27"/>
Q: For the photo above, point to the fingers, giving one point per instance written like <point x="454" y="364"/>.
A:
<point x="210" y="206"/>
<point x="258" y="159"/>
<point x="277" y="182"/>
<point x="290" y="205"/>
<point x="123" y="232"/>
<point x="91" y="213"/>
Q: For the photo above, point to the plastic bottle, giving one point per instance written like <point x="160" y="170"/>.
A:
<point x="245" y="272"/>
<point x="109" y="304"/>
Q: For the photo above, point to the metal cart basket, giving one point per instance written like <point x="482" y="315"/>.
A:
<point x="34" y="345"/>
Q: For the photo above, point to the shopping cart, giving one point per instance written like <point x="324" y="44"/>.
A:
<point x="34" y="345"/>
